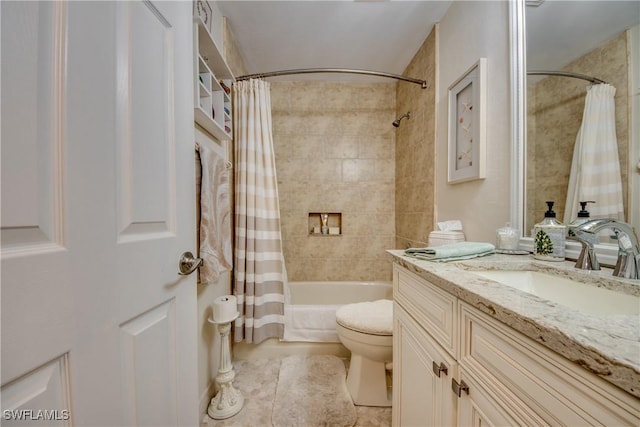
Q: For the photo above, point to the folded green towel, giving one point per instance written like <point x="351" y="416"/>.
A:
<point x="452" y="251"/>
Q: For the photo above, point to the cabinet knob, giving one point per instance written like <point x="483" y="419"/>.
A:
<point x="437" y="369"/>
<point x="459" y="388"/>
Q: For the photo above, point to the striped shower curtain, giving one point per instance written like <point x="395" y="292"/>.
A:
<point x="258" y="260"/>
<point x="595" y="171"/>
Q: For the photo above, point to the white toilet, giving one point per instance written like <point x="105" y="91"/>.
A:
<point x="366" y="329"/>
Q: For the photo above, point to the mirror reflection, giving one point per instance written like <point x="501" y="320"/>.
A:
<point x="593" y="39"/>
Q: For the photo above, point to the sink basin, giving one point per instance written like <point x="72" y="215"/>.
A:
<point x="572" y="294"/>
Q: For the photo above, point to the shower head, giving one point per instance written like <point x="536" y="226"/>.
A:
<point x="397" y="121"/>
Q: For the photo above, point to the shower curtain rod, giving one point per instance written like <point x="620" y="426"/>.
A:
<point x="566" y="74"/>
<point x="422" y="83"/>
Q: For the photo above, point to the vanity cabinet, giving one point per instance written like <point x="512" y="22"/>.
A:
<point x="212" y="84"/>
<point x="501" y="376"/>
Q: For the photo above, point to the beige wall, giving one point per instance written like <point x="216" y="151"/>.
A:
<point x="554" y="115"/>
<point x="335" y="149"/>
<point x="232" y="54"/>
<point x="415" y="150"/>
<point x="468" y="31"/>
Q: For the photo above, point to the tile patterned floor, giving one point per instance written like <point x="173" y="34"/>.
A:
<point x="257" y="380"/>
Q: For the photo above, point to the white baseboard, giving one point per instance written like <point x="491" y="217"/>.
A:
<point x="206" y="397"/>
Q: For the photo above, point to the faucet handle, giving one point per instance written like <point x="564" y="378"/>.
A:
<point x="628" y="263"/>
<point x="624" y="242"/>
<point x="587" y="259"/>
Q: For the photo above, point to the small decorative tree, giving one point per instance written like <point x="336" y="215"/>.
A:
<point x="544" y="245"/>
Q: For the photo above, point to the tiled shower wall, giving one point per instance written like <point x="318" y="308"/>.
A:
<point x="335" y="152"/>
<point x="415" y="150"/>
<point x="554" y="113"/>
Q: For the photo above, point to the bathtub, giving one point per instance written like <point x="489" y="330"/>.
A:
<point x="310" y="318"/>
<point x="311" y="314"/>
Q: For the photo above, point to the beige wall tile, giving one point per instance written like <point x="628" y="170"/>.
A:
<point x="294" y="147"/>
<point x="369" y="224"/>
<point x="335" y="148"/>
<point x="293" y="223"/>
<point x="375" y="147"/>
<point x="324" y="170"/>
<point x="385" y="170"/>
<point x="341" y="147"/>
<point x="415" y="151"/>
<point x="359" y="170"/>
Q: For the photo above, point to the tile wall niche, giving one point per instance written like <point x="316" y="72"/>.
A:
<point x="415" y="150"/>
<point x="335" y="151"/>
<point x="554" y="114"/>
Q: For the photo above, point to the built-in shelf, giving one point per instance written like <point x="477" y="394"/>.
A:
<point x="334" y="224"/>
<point x="212" y="102"/>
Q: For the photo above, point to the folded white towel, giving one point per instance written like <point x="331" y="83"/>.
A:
<point x="452" y="251"/>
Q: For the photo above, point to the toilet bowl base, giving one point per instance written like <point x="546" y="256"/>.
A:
<point x="367" y="382"/>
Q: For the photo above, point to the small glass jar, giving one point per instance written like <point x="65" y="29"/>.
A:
<point x="507" y="238"/>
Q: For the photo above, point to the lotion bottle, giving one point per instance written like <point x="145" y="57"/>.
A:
<point x="549" y="237"/>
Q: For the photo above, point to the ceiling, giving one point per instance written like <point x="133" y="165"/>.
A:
<point x="385" y="35"/>
<point x="369" y="35"/>
<point x="561" y="31"/>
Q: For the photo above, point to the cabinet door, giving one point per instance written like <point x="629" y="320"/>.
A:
<point x="477" y="407"/>
<point x="420" y="396"/>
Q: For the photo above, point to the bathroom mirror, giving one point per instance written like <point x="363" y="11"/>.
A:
<point x="586" y="37"/>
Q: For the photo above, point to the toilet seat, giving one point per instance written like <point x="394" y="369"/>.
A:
<point x="373" y="317"/>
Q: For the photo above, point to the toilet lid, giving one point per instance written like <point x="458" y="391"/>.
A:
<point x="374" y="317"/>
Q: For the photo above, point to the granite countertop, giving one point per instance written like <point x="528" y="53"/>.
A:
<point x="607" y="345"/>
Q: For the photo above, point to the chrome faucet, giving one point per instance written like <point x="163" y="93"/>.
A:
<point x="587" y="259"/>
<point x="628" y="264"/>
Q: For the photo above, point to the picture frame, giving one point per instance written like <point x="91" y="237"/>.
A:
<point x="203" y="9"/>
<point x="467" y="125"/>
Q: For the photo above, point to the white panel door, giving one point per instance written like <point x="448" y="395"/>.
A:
<point x="97" y="206"/>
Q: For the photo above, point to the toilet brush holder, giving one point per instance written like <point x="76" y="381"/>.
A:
<point x="228" y="401"/>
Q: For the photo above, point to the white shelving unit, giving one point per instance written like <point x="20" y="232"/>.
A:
<point x="212" y="101"/>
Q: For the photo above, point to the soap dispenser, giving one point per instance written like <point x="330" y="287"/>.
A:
<point x="549" y="238"/>
<point x="583" y="216"/>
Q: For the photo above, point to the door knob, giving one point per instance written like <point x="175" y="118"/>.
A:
<point x="188" y="264"/>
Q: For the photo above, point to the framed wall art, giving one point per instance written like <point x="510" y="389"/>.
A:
<point x="467" y="127"/>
